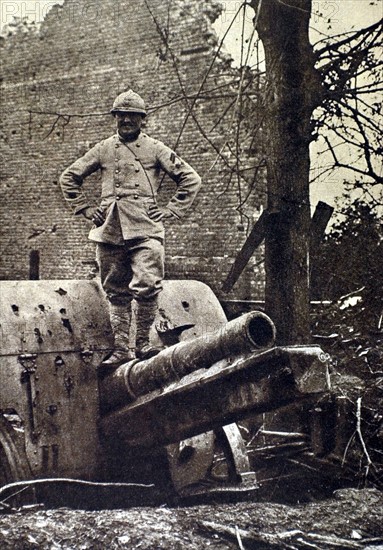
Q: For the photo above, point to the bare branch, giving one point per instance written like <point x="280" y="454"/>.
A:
<point x="348" y="39"/>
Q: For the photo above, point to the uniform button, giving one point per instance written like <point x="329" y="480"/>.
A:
<point x="117" y="171"/>
<point x="117" y="146"/>
<point x="117" y="198"/>
<point x="136" y="158"/>
<point x="137" y="184"/>
<point x="137" y="170"/>
<point x="136" y="196"/>
<point x="117" y="185"/>
<point x="138" y="145"/>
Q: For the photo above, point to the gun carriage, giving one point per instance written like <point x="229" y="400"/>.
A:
<point x="64" y="421"/>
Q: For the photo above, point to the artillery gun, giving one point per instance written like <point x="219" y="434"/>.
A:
<point x="69" y="428"/>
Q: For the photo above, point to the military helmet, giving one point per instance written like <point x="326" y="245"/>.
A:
<point x="129" y="102"/>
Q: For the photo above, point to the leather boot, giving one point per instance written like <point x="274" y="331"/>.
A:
<point x="146" y="312"/>
<point x="120" y="319"/>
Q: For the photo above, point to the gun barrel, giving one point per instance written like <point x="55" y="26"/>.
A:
<point x="248" y="333"/>
<point x="251" y="385"/>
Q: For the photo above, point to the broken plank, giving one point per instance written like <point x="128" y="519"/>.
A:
<point x="252" y="242"/>
<point x="319" y="221"/>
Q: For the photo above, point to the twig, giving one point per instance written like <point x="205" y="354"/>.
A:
<point x="335" y="46"/>
<point x="285" y="540"/>
<point x="8" y="507"/>
<point x="238" y="534"/>
<point x="357" y="291"/>
<point x="359" y="432"/>
<point x="21" y="486"/>
<point x="190" y="105"/>
<point x="6" y="487"/>
<point x="164" y="38"/>
<point x="261" y="431"/>
<point x="55" y="113"/>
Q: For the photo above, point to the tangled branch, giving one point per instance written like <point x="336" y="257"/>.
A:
<point x="351" y="114"/>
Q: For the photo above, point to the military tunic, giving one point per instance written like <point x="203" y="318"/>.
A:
<point x="131" y="174"/>
<point x="130" y="244"/>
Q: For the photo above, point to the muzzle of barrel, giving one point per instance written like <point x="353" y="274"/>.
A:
<point x="248" y="333"/>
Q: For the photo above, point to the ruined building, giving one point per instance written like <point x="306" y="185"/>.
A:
<point x="57" y="87"/>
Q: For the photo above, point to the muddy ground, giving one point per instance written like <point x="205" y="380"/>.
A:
<point x="351" y="518"/>
<point x="323" y="519"/>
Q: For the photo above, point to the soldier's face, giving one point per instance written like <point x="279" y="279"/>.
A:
<point x="128" y="123"/>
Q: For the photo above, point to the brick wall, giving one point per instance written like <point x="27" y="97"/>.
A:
<point x="84" y="55"/>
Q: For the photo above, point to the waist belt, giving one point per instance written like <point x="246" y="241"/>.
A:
<point x="123" y="194"/>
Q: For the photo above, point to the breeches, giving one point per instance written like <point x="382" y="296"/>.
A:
<point x="134" y="270"/>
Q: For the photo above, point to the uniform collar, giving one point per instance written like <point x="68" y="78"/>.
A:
<point x="133" y="140"/>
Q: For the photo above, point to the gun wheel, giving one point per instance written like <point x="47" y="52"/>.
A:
<point x="13" y="463"/>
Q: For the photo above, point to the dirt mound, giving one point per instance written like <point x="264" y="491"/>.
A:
<point x="350" y="519"/>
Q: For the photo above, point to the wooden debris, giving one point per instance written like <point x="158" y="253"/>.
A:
<point x="239" y="540"/>
<point x="286" y="540"/>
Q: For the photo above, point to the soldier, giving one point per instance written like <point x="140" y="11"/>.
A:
<point x="128" y="226"/>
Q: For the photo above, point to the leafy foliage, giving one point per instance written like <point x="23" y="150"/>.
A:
<point x="348" y="271"/>
<point x="350" y="259"/>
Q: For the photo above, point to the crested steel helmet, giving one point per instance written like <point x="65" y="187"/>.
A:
<point x="129" y="102"/>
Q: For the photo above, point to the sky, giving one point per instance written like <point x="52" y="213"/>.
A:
<point x="340" y="15"/>
<point x="329" y="17"/>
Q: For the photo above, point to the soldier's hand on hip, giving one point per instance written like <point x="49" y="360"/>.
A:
<point x="157" y="214"/>
<point x="95" y="214"/>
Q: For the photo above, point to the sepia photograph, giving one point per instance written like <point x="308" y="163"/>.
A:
<point x="191" y="281"/>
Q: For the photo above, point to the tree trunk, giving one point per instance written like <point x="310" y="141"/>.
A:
<point x="293" y="90"/>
